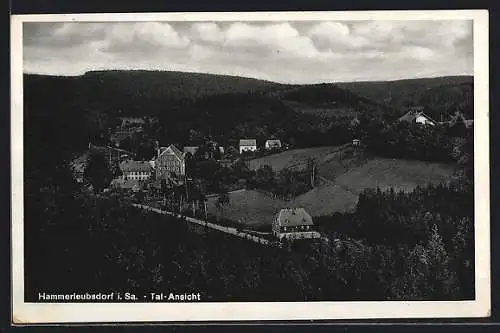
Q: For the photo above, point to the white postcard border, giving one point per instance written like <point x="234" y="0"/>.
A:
<point x="31" y="313"/>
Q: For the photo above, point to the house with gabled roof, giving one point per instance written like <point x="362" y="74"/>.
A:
<point x="416" y="115"/>
<point x="294" y="223"/>
<point x="248" y="145"/>
<point x="272" y="144"/>
<point x="169" y="161"/>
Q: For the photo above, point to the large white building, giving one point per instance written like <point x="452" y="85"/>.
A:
<point x="248" y="145"/>
<point x="136" y="170"/>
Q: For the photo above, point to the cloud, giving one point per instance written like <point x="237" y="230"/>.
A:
<point x="144" y="37"/>
<point x="296" y="52"/>
<point x="207" y="32"/>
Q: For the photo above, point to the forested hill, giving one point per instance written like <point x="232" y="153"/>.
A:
<point x="441" y="96"/>
<point x="78" y="108"/>
<point x="139" y="92"/>
<point x="231" y="106"/>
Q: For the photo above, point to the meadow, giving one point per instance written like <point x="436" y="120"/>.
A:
<point x="294" y="157"/>
<point x="340" y="182"/>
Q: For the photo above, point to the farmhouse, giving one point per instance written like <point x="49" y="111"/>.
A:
<point x="136" y="170"/>
<point x="416" y="116"/>
<point x="294" y="223"/>
<point x="248" y="145"/>
<point x="273" y="144"/>
<point x="169" y="160"/>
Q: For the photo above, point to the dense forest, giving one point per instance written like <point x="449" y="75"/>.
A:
<point x="438" y="95"/>
<point x="414" y="246"/>
<point x="192" y="106"/>
<point x="76" y="240"/>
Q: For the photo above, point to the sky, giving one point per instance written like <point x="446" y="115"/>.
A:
<point x="280" y="51"/>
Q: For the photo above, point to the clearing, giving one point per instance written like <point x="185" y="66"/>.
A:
<point x="296" y="157"/>
<point x="343" y="175"/>
<point x="399" y="174"/>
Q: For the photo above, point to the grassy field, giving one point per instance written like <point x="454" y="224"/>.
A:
<point x="399" y="174"/>
<point x="293" y="157"/>
<point x="326" y="199"/>
<point x="252" y="208"/>
<point x="341" y="181"/>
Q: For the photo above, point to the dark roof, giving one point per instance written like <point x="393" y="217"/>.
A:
<point x="131" y="166"/>
<point x="248" y="142"/>
<point x="290" y="217"/>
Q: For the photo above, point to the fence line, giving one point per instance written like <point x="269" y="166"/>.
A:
<point x="228" y="230"/>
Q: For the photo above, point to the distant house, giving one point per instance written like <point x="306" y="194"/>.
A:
<point x="469" y="123"/>
<point x="356" y="142"/>
<point x="294" y="223"/>
<point x="169" y="160"/>
<point x="416" y="115"/>
<point x="132" y="121"/>
<point x="136" y="170"/>
<point x="248" y="145"/>
<point x="189" y="151"/>
<point x="272" y="144"/>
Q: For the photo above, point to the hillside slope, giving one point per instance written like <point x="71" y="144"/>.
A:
<point x="437" y="95"/>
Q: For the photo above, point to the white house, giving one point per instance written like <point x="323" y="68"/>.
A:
<point x="136" y="170"/>
<point x="248" y="145"/>
<point x="417" y="116"/>
<point x="294" y="223"/>
<point x="272" y="144"/>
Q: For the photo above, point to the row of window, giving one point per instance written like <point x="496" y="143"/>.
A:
<point x="138" y="173"/>
<point x="299" y="228"/>
<point x="136" y="177"/>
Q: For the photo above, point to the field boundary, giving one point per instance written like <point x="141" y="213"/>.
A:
<point x="228" y="230"/>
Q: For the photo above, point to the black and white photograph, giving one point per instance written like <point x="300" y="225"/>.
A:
<point x="250" y="166"/>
